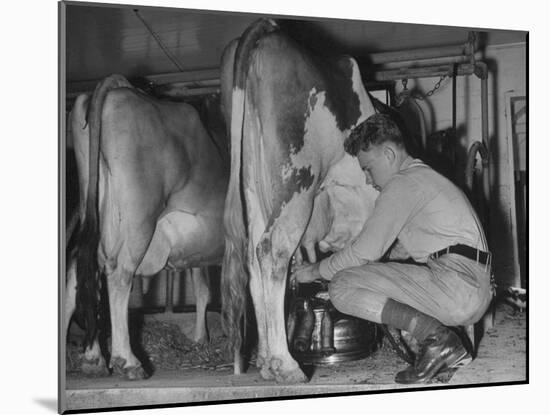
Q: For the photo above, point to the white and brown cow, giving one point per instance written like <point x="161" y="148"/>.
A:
<point x="153" y="183"/>
<point x="289" y="116"/>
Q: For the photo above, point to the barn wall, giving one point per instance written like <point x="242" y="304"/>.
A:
<point x="507" y="72"/>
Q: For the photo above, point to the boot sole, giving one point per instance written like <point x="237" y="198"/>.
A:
<point x="460" y="361"/>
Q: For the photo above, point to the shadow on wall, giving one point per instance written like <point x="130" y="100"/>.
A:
<point x="447" y="151"/>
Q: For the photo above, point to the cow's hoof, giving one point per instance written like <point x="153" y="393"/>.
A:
<point x="135" y="373"/>
<point x="130" y="372"/>
<point x="282" y="375"/>
<point x="95" y="367"/>
<point x="265" y="369"/>
<point x="266" y="373"/>
<point x="291" y="376"/>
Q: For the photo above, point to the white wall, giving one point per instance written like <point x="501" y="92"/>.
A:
<point x="507" y="72"/>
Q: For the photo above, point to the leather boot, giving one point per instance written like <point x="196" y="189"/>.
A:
<point x="440" y="351"/>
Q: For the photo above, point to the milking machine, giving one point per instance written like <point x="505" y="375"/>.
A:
<point x="318" y="334"/>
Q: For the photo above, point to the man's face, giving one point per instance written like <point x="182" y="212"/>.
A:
<point x="377" y="163"/>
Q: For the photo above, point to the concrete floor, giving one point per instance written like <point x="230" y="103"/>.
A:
<point x="501" y="358"/>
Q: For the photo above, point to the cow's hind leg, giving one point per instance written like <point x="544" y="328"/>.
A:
<point x="93" y="362"/>
<point x="274" y="253"/>
<point x="123" y="361"/>
<point x="256" y="228"/>
<point x="202" y="297"/>
<point x="258" y="300"/>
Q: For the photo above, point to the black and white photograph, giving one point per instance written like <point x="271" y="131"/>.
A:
<point x="278" y="206"/>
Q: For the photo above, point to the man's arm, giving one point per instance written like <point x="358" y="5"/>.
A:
<point x="396" y="204"/>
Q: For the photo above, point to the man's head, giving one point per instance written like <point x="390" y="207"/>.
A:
<point x="379" y="145"/>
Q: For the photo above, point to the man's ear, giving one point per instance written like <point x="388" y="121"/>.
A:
<point x="390" y="153"/>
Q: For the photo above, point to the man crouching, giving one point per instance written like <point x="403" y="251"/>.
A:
<point x="419" y="215"/>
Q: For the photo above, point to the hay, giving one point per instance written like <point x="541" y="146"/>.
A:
<point x="168" y="348"/>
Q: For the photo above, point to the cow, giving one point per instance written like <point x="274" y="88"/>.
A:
<point x="289" y="114"/>
<point x="153" y="182"/>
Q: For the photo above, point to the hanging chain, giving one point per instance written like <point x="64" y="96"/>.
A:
<point x="432" y="91"/>
<point x="436" y="86"/>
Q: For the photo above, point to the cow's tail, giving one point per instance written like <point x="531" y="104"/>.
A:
<point x="234" y="280"/>
<point x="87" y="272"/>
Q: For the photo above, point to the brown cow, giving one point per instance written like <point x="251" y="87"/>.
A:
<point x="152" y="186"/>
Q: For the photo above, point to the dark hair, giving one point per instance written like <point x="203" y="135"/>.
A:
<point x="375" y="130"/>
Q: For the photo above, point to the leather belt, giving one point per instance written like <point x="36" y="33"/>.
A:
<point x="466" y="251"/>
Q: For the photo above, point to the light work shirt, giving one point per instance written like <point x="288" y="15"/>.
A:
<point x="420" y="208"/>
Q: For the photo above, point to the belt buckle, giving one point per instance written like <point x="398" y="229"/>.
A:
<point x="438" y="254"/>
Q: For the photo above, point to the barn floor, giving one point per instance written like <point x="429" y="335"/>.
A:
<point x="501" y="358"/>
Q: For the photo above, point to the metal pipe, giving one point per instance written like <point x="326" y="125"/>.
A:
<point x="424" y="62"/>
<point x="476" y="147"/>
<point x="182" y="92"/>
<point x="417" y="54"/>
<point x="157" y="79"/>
<point x="481" y="72"/>
<point x="454" y="99"/>
<point x="455" y="143"/>
<point x="194" y="84"/>
<point x="177" y="89"/>
<point x="427" y="72"/>
<point x="169" y="307"/>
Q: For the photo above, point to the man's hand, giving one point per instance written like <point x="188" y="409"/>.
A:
<point x="306" y="273"/>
